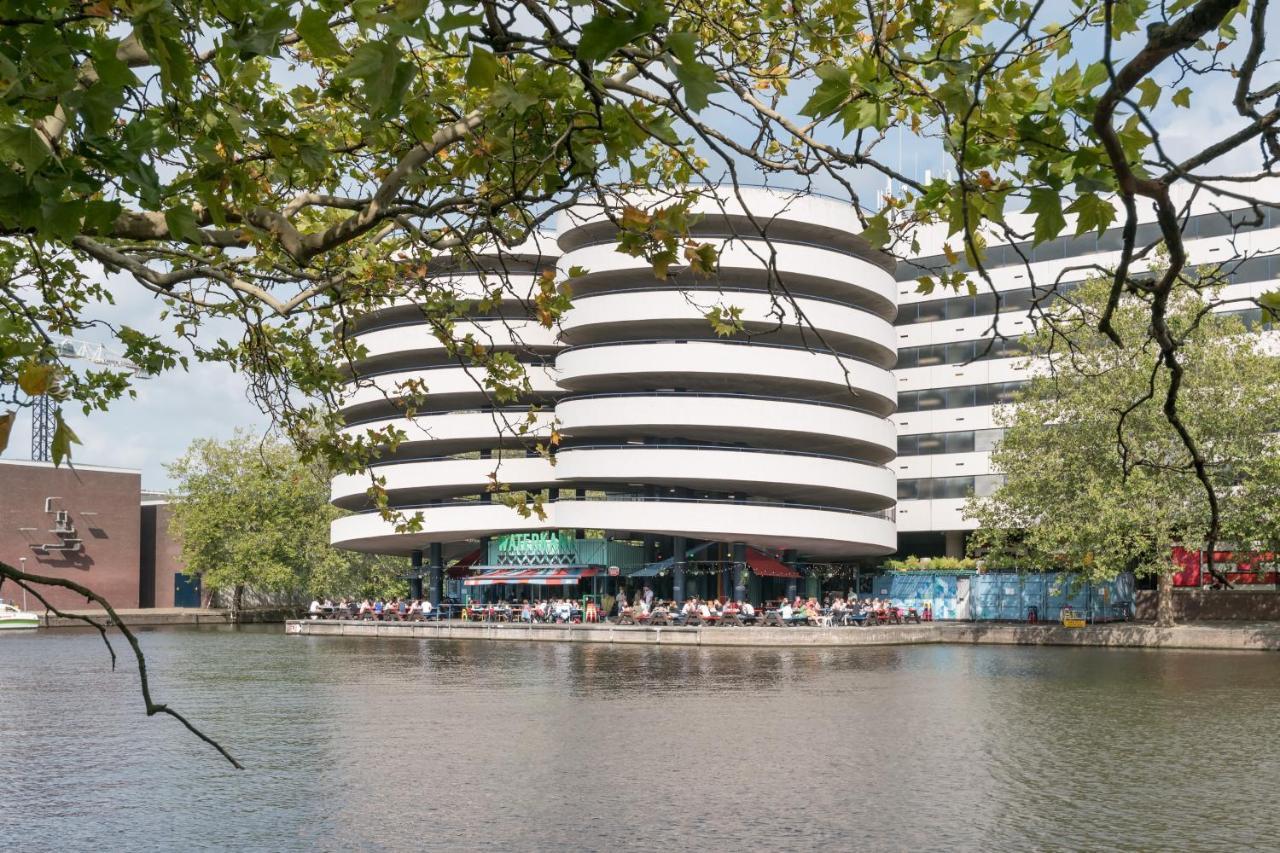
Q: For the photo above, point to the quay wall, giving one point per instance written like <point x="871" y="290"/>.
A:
<point x="1214" y="605"/>
<point x="1120" y="635"/>
<point x="156" y="617"/>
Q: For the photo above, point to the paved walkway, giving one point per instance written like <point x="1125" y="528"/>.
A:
<point x="1224" y="636"/>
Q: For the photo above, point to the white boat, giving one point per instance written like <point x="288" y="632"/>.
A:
<point x="12" y="617"/>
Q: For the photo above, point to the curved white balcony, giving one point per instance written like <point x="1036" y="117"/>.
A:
<point x="781" y="475"/>
<point x="415" y="481"/>
<point x="761" y="421"/>
<point x="451" y="432"/>
<point x="417" y="337"/>
<point x="467" y="382"/>
<point x="727" y="366"/>
<point x="819" y="531"/>
<point x="856" y="280"/>
<point x="671" y="313"/>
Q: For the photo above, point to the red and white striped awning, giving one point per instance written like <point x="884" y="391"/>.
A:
<point x="534" y="577"/>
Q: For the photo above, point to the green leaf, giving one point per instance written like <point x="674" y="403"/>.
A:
<point x="1182" y="98"/>
<point x="63" y="438"/>
<point x="6" y="425"/>
<point x="830" y="94"/>
<point x="604" y="34"/>
<point x="877" y="231"/>
<point x="698" y="80"/>
<point x="182" y="224"/>
<point x="313" y="26"/>
<point x="1092" y="214"/>
<point x="24" y="145"/>
<point x="482" y="70"/>
<point x="1046" y="204"/>
<point x="506" y="95"/>
<point x="1150" y="90"/>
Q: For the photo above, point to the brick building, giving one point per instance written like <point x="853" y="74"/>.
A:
<point x="89" y="524"/>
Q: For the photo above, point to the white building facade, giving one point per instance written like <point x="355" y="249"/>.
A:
<point x="951" y="376"/>
<point x="774" y="443"/>
<point x="850" y="418"/>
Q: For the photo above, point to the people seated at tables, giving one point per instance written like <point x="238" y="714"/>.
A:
<point x="365" y="609"/>
<point x="704" y="611"/>
<point x="747" y="610"/>
<point x="314" y="610"/>
<point x="786" y="610"/>
<point x="526" y="611"/>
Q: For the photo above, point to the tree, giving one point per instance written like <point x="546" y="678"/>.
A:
<point x="254" y="519"/>
<point x="1096" y="479"/>
<point x="281" y="166"/>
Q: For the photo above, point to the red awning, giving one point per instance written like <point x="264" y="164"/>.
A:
<point x="462" y="568"/>
<point x="767" y="567"/>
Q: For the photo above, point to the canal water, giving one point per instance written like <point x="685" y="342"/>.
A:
<point x="404" y="744"/>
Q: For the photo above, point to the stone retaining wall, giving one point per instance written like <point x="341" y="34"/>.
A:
<point x="1228" y="637"/>
<point x="1212" y="605"/>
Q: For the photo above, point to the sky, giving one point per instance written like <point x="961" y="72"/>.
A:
<point x="210" y="400"/>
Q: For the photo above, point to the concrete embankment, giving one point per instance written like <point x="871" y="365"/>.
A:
<point x="1231" y="637"/>
<point x="155" y="617"/>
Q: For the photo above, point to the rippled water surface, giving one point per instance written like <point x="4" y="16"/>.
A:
<point x="403" y="744"/>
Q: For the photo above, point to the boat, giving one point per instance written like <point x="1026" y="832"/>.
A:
<point x="12" y="617"/>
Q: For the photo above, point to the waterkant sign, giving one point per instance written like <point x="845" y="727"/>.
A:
<point x="546" y="548"/>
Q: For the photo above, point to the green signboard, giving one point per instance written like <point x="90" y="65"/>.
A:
<point x="552" y="549"/>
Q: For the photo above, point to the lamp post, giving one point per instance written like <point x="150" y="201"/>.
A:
<point x="22" y="566"/>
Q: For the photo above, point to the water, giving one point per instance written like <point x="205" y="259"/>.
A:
<point x="465" y="745"/>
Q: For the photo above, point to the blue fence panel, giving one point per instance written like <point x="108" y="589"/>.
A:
<point x="1007" y="596"/>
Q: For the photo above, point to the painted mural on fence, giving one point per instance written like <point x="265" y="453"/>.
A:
<point x="1006" y="596"/>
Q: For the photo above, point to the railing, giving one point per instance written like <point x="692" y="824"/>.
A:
<point x="765" y="450"/>
<point x="371" y="419"/>
<point x="771" y="399"/>
<point x="695" y="234"/>
<point x="888" y="514"/>
<point x="713" y="290"/>
<point x="721" y="342"/>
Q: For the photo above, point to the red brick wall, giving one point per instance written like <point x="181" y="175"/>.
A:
<point x="168" y="557"/>
<point x="103" y="507"/>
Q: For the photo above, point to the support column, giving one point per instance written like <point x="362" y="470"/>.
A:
<point x="415" y="574"/>
<point x="789" y="557"/>
<point x="436" y="576"/>
<point x="679" y="545"/>
<point x="739" y="572"/>
<point x="955" y="543"/>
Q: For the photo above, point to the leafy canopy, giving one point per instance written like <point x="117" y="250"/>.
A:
<point x="1097" y="480"/>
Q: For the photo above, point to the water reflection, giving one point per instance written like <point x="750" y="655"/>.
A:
<point x="463" y="745"/>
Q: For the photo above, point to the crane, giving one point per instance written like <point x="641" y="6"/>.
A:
<point x="43" y="422"/>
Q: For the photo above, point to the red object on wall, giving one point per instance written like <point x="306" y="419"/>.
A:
<point x="1244" y="568"/>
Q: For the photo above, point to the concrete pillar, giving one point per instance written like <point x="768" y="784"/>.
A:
<point x="739" y="571"/>
<point x="415" y="574"/>
<point x="436" y="573"/>
<point x="789" y="557"/>
<point x="679" y="545"/>
<point x="955" y="543"/>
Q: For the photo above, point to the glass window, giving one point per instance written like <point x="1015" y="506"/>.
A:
<point x="908" y="445"/>
<point x="930" y="356"/>
<point x="909" y="490"/>
<point x="927" y="312"/>
<point x="986" y="484"/>
<point x="986" y="439"/>
<point x="1112" y="240"/>
<point x="1005" y="392"/>
<point x="1015" y="301"/>
<point x="959" y="307"/>
<point x="930" y="443"/>
<point x="952" y="487"/>
<point x="909" y="357"/>
<point x="932" y="399"/>
<point x="959" y="442"/>
<point x="909" y="401"/>
<point x="960" y="397"/>
<point x="906" y="315"/>
<point x="959" y="353"/>
<point x="984" y="303"/>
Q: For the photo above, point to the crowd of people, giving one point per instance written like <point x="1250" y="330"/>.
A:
<point x="643" y="608"/>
